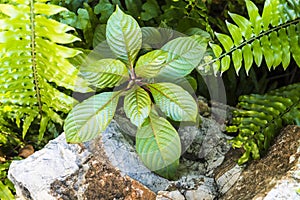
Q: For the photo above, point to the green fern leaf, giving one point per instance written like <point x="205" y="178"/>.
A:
<point x="32" y="60"/>
<point x="260" y="118"/>
<point x="272" y="36"/>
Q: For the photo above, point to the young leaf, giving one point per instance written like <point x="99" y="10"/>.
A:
<point x="150" y="64"/>
<point x="124" y="36"/>
<point x="285" y="48"/>
<point x="158" y="145"/>
<point x="216" y="49"/>
<point x="257" y="52"/>
<point x="267" y="51"/>
<point x="225" y="63"/>
<point x="237" y="58"/>
<point x="137" y="105"/>
<point x="174" y="101"/>
<point x="91" y="117"/>
<point x="225" y="41"/>
<point x="106" y="73"/>
<point x="243" y="23"/>
<point x="184" y="54"/>
<point x="248" y="58"/>
<point x="255" y="18"/>
<point x="235" y="33"/>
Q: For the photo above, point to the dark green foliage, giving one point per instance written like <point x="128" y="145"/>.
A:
<point x="260" y="118"/>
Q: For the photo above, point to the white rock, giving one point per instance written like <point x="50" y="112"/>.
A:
<point x="32" y="176"/>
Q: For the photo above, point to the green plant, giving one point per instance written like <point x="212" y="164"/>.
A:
<point x="28" y="85"/>
<point x="6" y="187"/>
<point x="33" y="72"/>
<point x="157" y="141"/>
<point x="273" y="36"/>
<point x="260" y="118"/>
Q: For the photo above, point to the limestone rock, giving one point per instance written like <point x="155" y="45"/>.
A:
<point x="32" y="176"/>
<point x="108" y="167"/>
<point x="166" y="195"/>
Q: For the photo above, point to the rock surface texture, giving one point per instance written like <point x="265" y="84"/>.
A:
<point x="276" y="175"/>
<point x="108" y="168"/>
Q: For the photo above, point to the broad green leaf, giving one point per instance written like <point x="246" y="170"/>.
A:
<point x="174" y="101"/>
<point x="124" y="36"/>
<point x="225" y="63"/>
<point x="158" y="145"/>
<point x="137" y="105"/>
<point x="237" y="58"/>
<point x="106" y="73"/>
<point x="225" y="40"/>
<point x="286" y="57"/>
<point x="267" y="51"/>
<point x="91" y="117"/>
<point x="243" y="23"/>
<point x="150" y="64"/>
<point x="216" y="49"/>
<point x="235" y="33"/>
<point x="151" y="36"/>
<point x="184" y="54"/>
<point x="248" y="58"/>
<point x="257" y="52"/>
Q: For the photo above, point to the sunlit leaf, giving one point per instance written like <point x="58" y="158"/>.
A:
<point x="124" y="36"/>
<point x="237" y="58"/>
<point x="91" y="117"/>
<point x="174" y="101"/>
<point x="150" y="64"/>
<point x="137" y="105"/>
<point x="184" y="54"/>
<point x="225" y="40"/>
<point x="158" y="145"/>
<point x="248" y="57"/>
<point x="105" y="73"/>
<point x="235" y="33"/>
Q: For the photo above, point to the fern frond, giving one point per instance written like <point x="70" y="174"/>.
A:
<point x="32" y="60"/>
<point x="274" y="36"/>
<point x="261" y="117"/>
